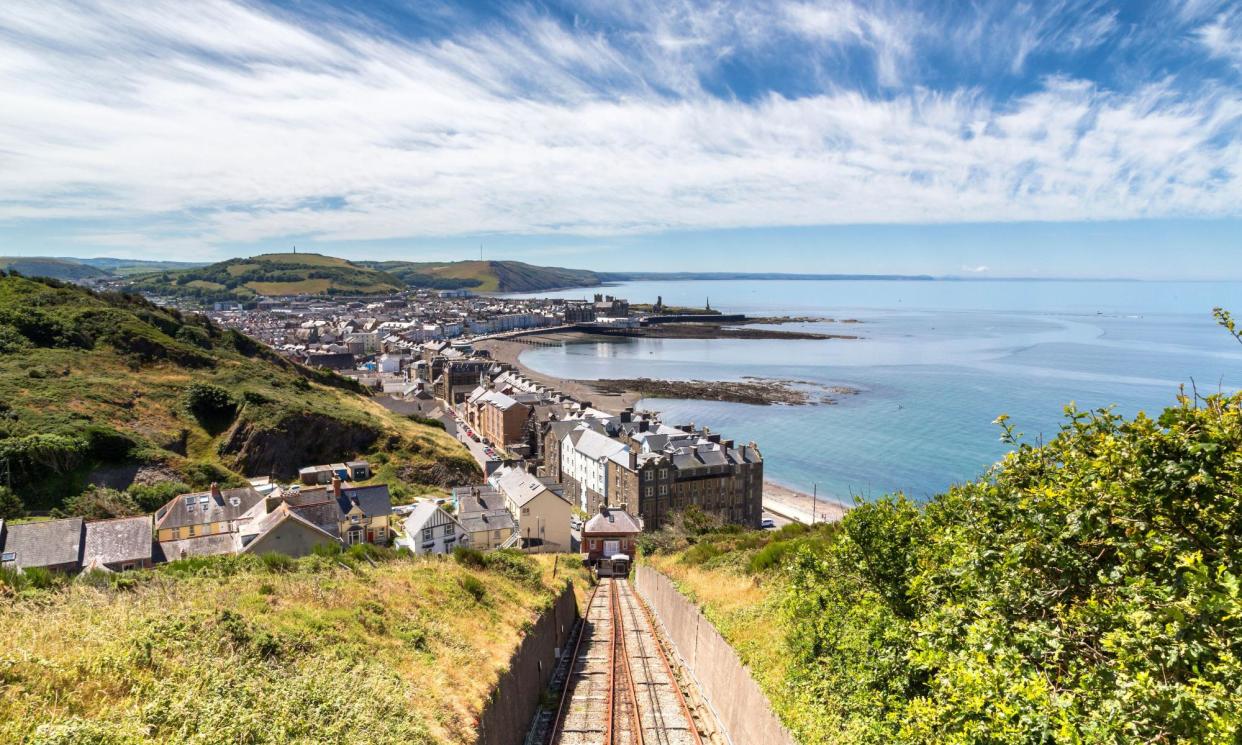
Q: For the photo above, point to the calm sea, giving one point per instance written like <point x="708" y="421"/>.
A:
<point x="935" y="364"/>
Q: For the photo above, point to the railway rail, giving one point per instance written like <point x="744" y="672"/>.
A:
<point x="621" y="689"/>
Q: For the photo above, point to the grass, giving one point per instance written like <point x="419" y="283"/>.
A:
<point x="246" y="649"/>
<point x="736" y="580"/>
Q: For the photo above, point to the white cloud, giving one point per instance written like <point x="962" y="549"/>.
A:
<point x="218" y="122"/>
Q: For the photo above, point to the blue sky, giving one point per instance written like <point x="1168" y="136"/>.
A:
<point x="981" y="139"/>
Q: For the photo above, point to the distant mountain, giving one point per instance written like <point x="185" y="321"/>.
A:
<point x="270" y="275"/>
<point x="67" y="270"/>
<point x="688" y="276"/>
<point x="125" y="267"/>
<point x="486" y="276"/>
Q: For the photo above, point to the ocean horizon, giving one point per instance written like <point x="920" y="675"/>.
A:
<point x="934" y="365"/>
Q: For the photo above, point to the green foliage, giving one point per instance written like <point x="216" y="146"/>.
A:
<point x="474" y="587"/>
<point x="150" y="498"/>
<point x="100" y="503"/>
<point x="210" y="403"/>
<point x="427" y="421"/>
<point x="278" y="563"/>
<point x="10" y="504"/>
<point x="469" y="557"/>
<point x="1084" y="591"/>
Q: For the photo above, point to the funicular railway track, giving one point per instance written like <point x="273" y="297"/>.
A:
<point x="621" y="689"/>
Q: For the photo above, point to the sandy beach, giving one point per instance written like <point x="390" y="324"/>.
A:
<point x="798" y="505"/>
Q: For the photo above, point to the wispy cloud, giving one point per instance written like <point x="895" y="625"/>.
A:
<point x="219" y="121"/>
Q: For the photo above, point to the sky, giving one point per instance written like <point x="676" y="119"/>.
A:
<point x="1072" y="139"/>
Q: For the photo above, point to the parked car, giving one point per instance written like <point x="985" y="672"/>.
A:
<point x="767" y="523"/>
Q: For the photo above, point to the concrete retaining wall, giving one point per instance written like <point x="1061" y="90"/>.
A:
<point x="515" y="698"/>
<point x="742" y="709"/>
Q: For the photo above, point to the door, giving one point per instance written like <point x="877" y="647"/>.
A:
<point x="610" y="548"/>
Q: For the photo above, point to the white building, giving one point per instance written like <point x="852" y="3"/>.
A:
<point x="584" y="458"/>
<point x="431" y="530"/>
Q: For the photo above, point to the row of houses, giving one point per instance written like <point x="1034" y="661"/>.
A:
<point x="630" y="457"/>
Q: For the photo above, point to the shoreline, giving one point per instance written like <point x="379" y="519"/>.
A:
<point x="795" y="502"/>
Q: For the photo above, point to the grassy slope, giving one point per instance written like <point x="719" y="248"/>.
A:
<point x="228" y="650"/>
<point x="271" y="275"/>
<point x="131" y="379"/>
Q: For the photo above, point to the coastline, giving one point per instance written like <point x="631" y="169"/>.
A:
<point x="786" y="501"/>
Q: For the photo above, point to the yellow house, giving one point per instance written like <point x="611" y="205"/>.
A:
<point x="539" y="507"/>
<point x="200" y="514"/>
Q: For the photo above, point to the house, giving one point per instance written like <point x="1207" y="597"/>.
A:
<point x="72" y="543"/>
<point x="585" y="453"/>
<point x="119" y="544"/>
<point x="481" y="511"/>
<point x="351" y="514"/>
<point x="282" y="531"/>
<point x="611" y="531"/>
<point x="200" y="514"/>
<point x="354" y="470"/>
<point x="538" y="505"/>
<point x="51" y="544"/>
<point x="431" y="530"/>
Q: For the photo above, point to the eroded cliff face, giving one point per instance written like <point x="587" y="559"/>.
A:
<point x="446" y="472"/>
<point x="281" y="447"/>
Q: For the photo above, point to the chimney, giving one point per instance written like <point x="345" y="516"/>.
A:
<point x="336" y="486"/>
<point x="633" y="459"/>
<point x="215" y="490"/>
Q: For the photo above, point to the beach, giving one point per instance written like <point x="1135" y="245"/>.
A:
<point x="777" y="498"/>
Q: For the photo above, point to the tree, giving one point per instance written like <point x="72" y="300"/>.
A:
<point x="10" y="504"/>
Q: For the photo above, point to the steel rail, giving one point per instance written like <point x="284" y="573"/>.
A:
<point x="668" y="668"/>
<point x="636" y="717"/>
<point x="559" y="723"/>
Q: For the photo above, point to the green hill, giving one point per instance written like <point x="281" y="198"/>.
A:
<point x="486" y="276"/>
<point x="42" y="266"/>
<point x="110" y="388"/>
<point x="270" y="275"/>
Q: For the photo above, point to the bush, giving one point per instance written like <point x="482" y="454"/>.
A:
<point x="151" y="497"/>
<point x="10" y="504"/>
<point x="469" y="557"/>
<point x="769" y="556"/>
<point x="427" y="421"/>
<point x="474" y="587"/>
<point x="212" y="405"/>
<point x="101" y="503"/>
<point x="278" y="563"/>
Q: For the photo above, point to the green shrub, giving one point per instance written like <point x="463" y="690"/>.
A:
<point x="427" y="421"/>
<point x="101" y="503"/>
<point x="210" y="404"/>
<point x="474" y="587"/>
<point x="770" y="556"/>
<point x="469" y="557"/>
<point x="278" y="563"/>
<point x="150" y="497"/>
<point x="701" y="553"/>
<point x="10" y="504"/>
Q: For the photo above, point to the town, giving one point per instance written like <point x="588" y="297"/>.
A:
<point x="560" y="475"/>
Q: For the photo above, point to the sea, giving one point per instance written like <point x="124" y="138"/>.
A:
<point x="935" y="363"/>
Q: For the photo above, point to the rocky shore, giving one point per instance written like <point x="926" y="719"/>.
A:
<point x="700" y="330"/>
<point x="754" y="391"/>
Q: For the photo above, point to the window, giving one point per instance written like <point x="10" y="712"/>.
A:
<point x="651" y="491"/>
<point x="353" y="535"/>
<point x="648" y="475"/>
<point x="176" y="534"/>
<point x="428" y="534"/>
<point x="190" y="531"/>
<point x="663" y="473"/>
<point x="663" y="489"/>
<point x="448" y="530"/>
<point x="525" y="510"/>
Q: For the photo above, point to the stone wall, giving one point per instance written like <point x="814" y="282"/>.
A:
<point x="508" y="713"/>
<point x="726" y="684"/>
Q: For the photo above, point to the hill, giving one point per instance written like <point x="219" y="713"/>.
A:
<point x="126" y="267"/>
<point x="270" y="275"/>
<point x="108" y="388"/>
<point x="246" y="649"/>
<point x="67" y="270"/>
<point x="486" y="276"/>
<point x="1084" y="590"/>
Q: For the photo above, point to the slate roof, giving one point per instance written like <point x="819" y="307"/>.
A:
<point x="207" y="545"/>
<point x="256" y="529"/>
<point x="518" y="485"/>
<point x="596" y="446"/>
<point x="230" y="505"/>
<point x="610" y="520"/>
<point x="125" y="539"/>
<point x="484" y="511"/>
<point x="43" y="544"/>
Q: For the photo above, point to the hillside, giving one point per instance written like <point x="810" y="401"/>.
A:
<point x="112" y="389"/>
<point x="67" y="270"/>
<point x="1084" y="590"/>
<point x="270" y="275"/>
<point x="252" y="649"/>
<point x="486" y="276"/>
